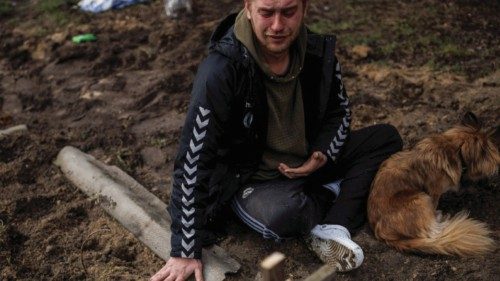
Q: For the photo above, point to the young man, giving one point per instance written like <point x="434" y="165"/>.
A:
<point x="268" y="132"/>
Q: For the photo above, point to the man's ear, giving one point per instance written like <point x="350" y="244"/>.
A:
<point x="247" y="9"/>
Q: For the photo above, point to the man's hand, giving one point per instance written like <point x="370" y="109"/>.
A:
<point x="316" y="161"/>
<point x="179" y="269"/>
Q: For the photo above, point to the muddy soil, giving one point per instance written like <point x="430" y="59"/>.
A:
<point x="123" y="99"/>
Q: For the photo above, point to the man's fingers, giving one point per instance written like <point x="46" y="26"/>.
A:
<point x="322" y="156"/>
<point x="161" y="274"/>
<point x="308" y="167"/>
<point x="282" y="168"/>
<point x="198" y="274"/>
<point x="315" y="161"/>
<point x="179" y="275"/>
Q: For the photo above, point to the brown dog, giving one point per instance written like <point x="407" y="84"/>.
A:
<point x="406" y="190"/>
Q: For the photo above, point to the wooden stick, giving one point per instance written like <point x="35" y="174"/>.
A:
<point x="135" y="208"/>
<point x="273" y="267"/>
<point x="324" y="273"/>
<point x="12" y="130"/>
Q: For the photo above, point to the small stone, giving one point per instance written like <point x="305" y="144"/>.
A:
<point x="107" y="251"/>
<point x="59" y="37"/>
<point x="90" y="95"/>
<point x="360" y="52"/>
<point x="49" y="249"/>
<point x="40" y="52"/>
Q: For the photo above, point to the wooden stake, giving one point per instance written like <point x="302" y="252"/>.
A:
<point x="12" y="130"/>
<point x="133" y="206"/>
<point x="273" y="267"/>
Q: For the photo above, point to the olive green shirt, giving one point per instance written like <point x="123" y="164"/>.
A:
<point x="286" y="140"/>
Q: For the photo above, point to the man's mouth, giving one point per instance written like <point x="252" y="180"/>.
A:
<point x="277" y="37"/>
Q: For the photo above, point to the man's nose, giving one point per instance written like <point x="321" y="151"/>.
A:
<point x="278" y="24"/>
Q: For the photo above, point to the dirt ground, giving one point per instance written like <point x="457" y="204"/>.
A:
<point x="123" y="99"/>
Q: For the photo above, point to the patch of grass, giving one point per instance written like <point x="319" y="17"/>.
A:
<point x="451" y="50"/>
<point x="389" y="48"/>
<point x="159" y="141"/>
<point x="321" y="26"/>
<point x="353" y="39"/>
<point x="404" y="29"/>
<point x="427" y="40"/>
<point x="6" y="7"/>
<point x="53" y="10"/>
<point x="430" y="33"/>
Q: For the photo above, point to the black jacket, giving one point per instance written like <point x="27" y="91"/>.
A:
<point x="224" y="134"/>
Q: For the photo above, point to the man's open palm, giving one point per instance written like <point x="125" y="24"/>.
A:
<point x="316" y="161"/>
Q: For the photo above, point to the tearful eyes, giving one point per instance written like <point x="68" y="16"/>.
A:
<point x="285" y="13"/>
<point x="267" y="14"/>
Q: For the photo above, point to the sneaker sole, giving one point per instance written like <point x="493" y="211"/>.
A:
<point x="330" y="254"/>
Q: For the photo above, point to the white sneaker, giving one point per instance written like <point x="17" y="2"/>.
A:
<point x="333" y="245"/>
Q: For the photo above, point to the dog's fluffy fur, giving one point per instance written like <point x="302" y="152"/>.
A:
<point x="406" y="190"/>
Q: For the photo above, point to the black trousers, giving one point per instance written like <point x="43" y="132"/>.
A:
<point x="284" y="207"/>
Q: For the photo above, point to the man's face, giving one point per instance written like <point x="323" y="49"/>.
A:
<point x="276" y="23"/>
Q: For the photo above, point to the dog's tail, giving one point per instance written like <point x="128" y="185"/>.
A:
<point x="459" y="235"/>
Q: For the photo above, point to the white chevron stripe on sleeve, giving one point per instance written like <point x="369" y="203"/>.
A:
<point x="345" y="122"/>
<point x="189" y="170"/>
<point x="341" y="133"/>
<point x="188" y="234"/>
<point x="190" y="181"/>
<point x="190" y="159"/>
<point x="201" y="124"/>
<point x="337" y="143"/>
<point x="333" y="149"/>
<point x="204" y="111"/>
<point x="186" y="202"/>
<point x="333" y="157"/>
<point x="198" y="136"/>
<point x="187" y="191"/>
<point x="187" y="246"/>
<point x="188" y="223"/>
<point x="187" y="212"/>
<point x="195" y="148"/>
<point x="184" y="255"/>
